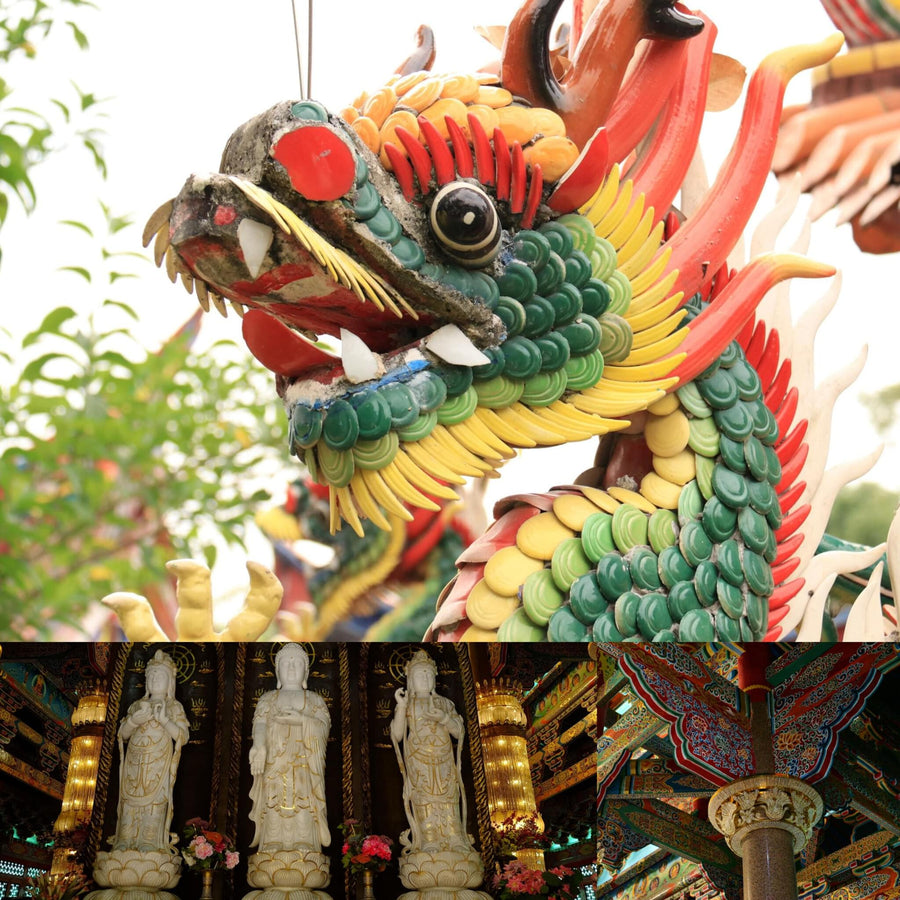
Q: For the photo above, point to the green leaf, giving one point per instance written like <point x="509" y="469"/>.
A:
<point x="35" y="369"/>
<point x="78" y="270"/>
<point x="123" y="306"/>
<point x="52" y="324"/>
<point x="72" y="223"/>
<point x="79" y="35"/>
<point x="62" y="106"/>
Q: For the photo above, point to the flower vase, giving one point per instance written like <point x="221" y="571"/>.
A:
<point x="207" y="892"/>
<point x="368" y="885"/>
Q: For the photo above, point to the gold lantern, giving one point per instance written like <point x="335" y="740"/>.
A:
<point x="510" y="790"/>
<point x="81" y="777"/>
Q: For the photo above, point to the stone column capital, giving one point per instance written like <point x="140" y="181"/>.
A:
<point x="765" y="801"/>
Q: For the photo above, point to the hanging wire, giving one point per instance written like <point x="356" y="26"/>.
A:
<point x="297" y="45"/>
<point x="309" y="48"/>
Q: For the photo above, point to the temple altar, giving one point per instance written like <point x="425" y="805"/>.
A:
<point x="221" y="688"/>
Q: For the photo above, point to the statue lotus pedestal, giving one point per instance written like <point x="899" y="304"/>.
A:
<point x="136" y="875"/>
<point x="442" y="874"/>
<point x="288" y="875"/>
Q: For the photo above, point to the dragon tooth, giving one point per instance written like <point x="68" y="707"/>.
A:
<point x="255" y="239"/>
<point x="219" y="304"/>
<point x="452" y="346"/>
<point x="360" y="363"/>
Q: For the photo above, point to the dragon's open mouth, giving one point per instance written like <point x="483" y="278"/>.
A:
<point x="293" y="287"/>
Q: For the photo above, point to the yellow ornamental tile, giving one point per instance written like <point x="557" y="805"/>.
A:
<point x="572" y="510"/>
<point x="679" y="469"/>
<point x="486" y="609"/>
<point x="507" y="569"/>
<point x="667" y="435"/>
<point x="660" y="492"/>
<point x="601" y="499"/>
<point x="461" y="87"/>
<point x="623" y="495"/>
<point x="476" y="635"/>
<point x="437" y="112"/>
<point x="540" y="535"/>
<point x="423" y="94"/>
<point x="663" y="407"/>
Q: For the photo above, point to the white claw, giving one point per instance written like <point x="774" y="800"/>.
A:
<point x="360" y="363"/>
<point x="255" y="239"/>
<point x="452" y="346"/>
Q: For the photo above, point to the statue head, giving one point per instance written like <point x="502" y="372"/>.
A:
<point x="421" y="673"/>
<point x="160" y="675"/>
<point x="291" y="666"/>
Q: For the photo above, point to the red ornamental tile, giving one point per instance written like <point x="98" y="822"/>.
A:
<point x="320" y="165"/>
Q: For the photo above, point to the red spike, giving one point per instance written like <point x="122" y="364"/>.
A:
<point x="791" y="444"/>
<point x="673" y="223"/>
<point x="708" y="238"/>
<point x="786" y="549"/>
<point x="785" y="415"/>
<point x="787" y="498"/>
<point x="792" y="468"/>
<point x="717" y="325"/>
<point x="780" y="596"/>
<point x="784" y="570"/>
<point x="462" y="152"/>
<point x="757" y="343"/>
<point x="535" y="189"/>
<point x="501" y="152"/>
<point x="484" y="155"/>
<point x="403" y="171"/>
<point x="746" y="333"/>
<point x="444" y="169"/>
<point x="775" y="394"/>
<point x="720" y="281"/>
<point x="792" y="521"/>
<point x="665" y="162"/>
<point x="421" y="161"/>
<point x="518" y="179"/>
<point x="584" y="176"/>
<point x="643" y="94"/>
<point x="769" y="362"/>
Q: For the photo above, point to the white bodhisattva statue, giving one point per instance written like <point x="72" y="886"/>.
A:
<point x="143" y="861"/>
<point x="287" y="761"/>
<point x="437" y="859"/>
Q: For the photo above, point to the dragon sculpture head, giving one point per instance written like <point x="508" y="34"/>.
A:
<point x="501" y="260"/>
<point x="492" y="283"/>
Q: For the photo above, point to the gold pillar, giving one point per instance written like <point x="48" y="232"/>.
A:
<point x="766" y="820"/>
<point x="81" y="777"/>
<point x="510" y="790"/>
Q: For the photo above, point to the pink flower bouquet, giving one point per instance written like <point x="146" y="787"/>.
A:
<point x="207" y="849"/>
<point x="361" y="852"/>
<point x="517" y="882"/>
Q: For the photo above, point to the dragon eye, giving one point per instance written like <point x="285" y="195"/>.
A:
<point x="464" y="219"/>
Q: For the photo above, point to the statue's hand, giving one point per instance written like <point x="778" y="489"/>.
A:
<point x="257" y="760"/>
<point x="400" y="696"/>
<point x="162" y="715"/>
<point x="142" y="714"/>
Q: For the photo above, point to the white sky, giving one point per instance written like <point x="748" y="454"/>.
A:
<point x="182" y="74"/>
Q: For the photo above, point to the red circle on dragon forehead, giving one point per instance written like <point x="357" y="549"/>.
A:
<point x="319" y="163"/>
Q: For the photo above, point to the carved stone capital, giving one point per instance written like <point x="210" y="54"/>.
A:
<point x="765" y="801"/>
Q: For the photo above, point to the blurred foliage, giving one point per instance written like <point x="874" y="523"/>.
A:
<point x="28" y="135"/>
<point x="114" y="460"/>
<point x="882" y="406"/>
<point x="863" y="513"/>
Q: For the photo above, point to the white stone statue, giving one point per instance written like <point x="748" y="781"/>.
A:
<point x="437" y="857"/>
<point x="143" y="858"/>
<point x="287" y="761"/>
